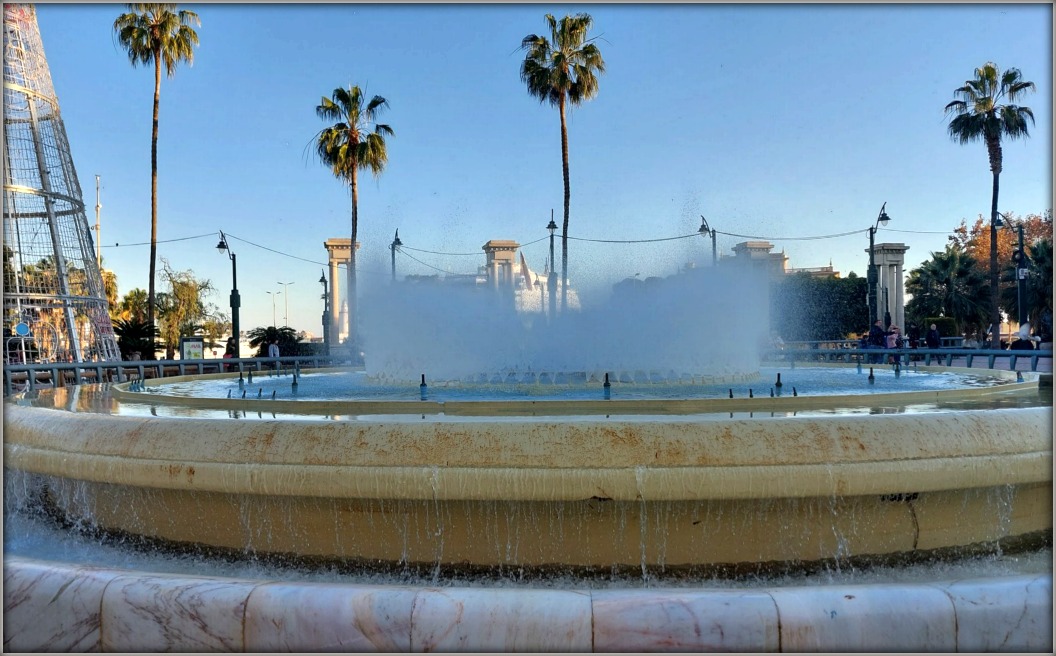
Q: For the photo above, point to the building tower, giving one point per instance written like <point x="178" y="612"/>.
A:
<point x="55" y="305"/>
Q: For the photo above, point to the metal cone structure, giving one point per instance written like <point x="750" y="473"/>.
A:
<point x="55" y="306"/>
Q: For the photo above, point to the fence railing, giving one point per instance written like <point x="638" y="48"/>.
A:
<point x="825" y="352"/>
<point x="19" y="377"/>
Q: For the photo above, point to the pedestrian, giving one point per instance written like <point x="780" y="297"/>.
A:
<point x="913" y="334"/>
<point x="877" y="339"/>
<point x="273" y="351"/>
<point x="893" y="338"/>
<point x="932" y="339"/>
<point x="230" y="351"/>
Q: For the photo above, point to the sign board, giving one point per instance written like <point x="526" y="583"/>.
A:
<point x="192" y="348"/>
<point x="22" y="329"/>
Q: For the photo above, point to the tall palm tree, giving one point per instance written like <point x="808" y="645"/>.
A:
<point x="356" y="141"/>
<point x="978" y="114"/>
<point x="563" y="69"/>
<point x="156" y="34"/>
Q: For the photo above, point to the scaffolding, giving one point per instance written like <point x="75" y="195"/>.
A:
<point x="55" y="305"/>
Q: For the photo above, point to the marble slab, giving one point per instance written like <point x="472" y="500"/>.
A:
<point x="292" y="617"/>
<point x="866" y="618"/>
<point x="52" y="608"/>
<point x="173" y="613"/>
<point x="1009" y="614"/>
<point x="471" y="619"/>
<point x="685" y="621"/>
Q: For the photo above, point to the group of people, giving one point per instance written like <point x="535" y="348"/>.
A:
<point x="892" y="338"/>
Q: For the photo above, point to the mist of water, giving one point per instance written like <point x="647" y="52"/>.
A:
<point x="702" y="322"/>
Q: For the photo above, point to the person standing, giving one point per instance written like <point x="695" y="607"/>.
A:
<point x="273" y="349"/>
<point x="877" y="339"/>
<point x="894" y="341"/>
<point x="933" y="340"/>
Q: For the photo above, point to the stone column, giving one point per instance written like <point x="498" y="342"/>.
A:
<point x="889" y="260"/>
<point x="339" y="252"/>
<point x="500" y="259"/>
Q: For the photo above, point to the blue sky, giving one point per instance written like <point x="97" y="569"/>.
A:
<point x="773" y="121"/>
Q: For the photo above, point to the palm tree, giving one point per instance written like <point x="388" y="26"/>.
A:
<point x="563" y="69"/>
<point x="259" y="338"/>
<point x="136" y="336"/>
<point x="950" y="284"/>
<point x="156" y="34"/>
<point x="979" y="115"/>
<point x="356" y="141"/>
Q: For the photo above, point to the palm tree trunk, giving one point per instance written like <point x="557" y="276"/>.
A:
<point x="351" y="293"/>
<point x="154" y="191"/>
<point x="993" y="147"/>
<point x="564" y="224"/>
<point x="995" y="312"/>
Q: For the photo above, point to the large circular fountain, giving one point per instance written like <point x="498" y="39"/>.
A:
<point x="913" y="464"/>
<point x="537" y="482"/>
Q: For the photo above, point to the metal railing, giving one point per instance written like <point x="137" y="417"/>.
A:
<point x="19" y="377"/>
<point x="819" y="352"/>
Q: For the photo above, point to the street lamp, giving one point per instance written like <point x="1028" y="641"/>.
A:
<point x="396" y="243"/>
<point x="704" y="230"/>
<point x="235" y="301"/>
<point x="1020" y="259"/>
<point x="882" y="219"/>
<point x="326" y="313"/>
<point x="272" y="295"/>
<point x="286" y="300"/>
<point x="551" y="279"/>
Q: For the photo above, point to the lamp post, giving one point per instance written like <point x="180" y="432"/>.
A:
<point x="272" y="295"/>
<point x="326" y="313"/>
<point x="235" y="301"/>
<point x="705" y="230"/>
<point x="551" y="279"/>
<point x="1020" y="259"/>
<point x="874" y="313"/>
<point x="396" y="243"/>
<point x="286" y="300"/>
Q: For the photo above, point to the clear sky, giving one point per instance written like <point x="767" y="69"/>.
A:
<point x="772" y="121"/>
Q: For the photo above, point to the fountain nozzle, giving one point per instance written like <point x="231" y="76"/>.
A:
<point x="778" y="383"/>
<point x="608" y="387"/>
<point x="423" y="387"/>
<point x="871" y="377"/>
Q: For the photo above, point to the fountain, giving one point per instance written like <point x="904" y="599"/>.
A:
<point x="452" y="479"/>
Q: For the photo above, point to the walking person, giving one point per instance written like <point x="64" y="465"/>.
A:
<point x="932" y="339"/>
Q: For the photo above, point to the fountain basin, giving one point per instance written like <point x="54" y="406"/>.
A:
<point x="468" y="486"/>
<point x="661" y="485"/>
